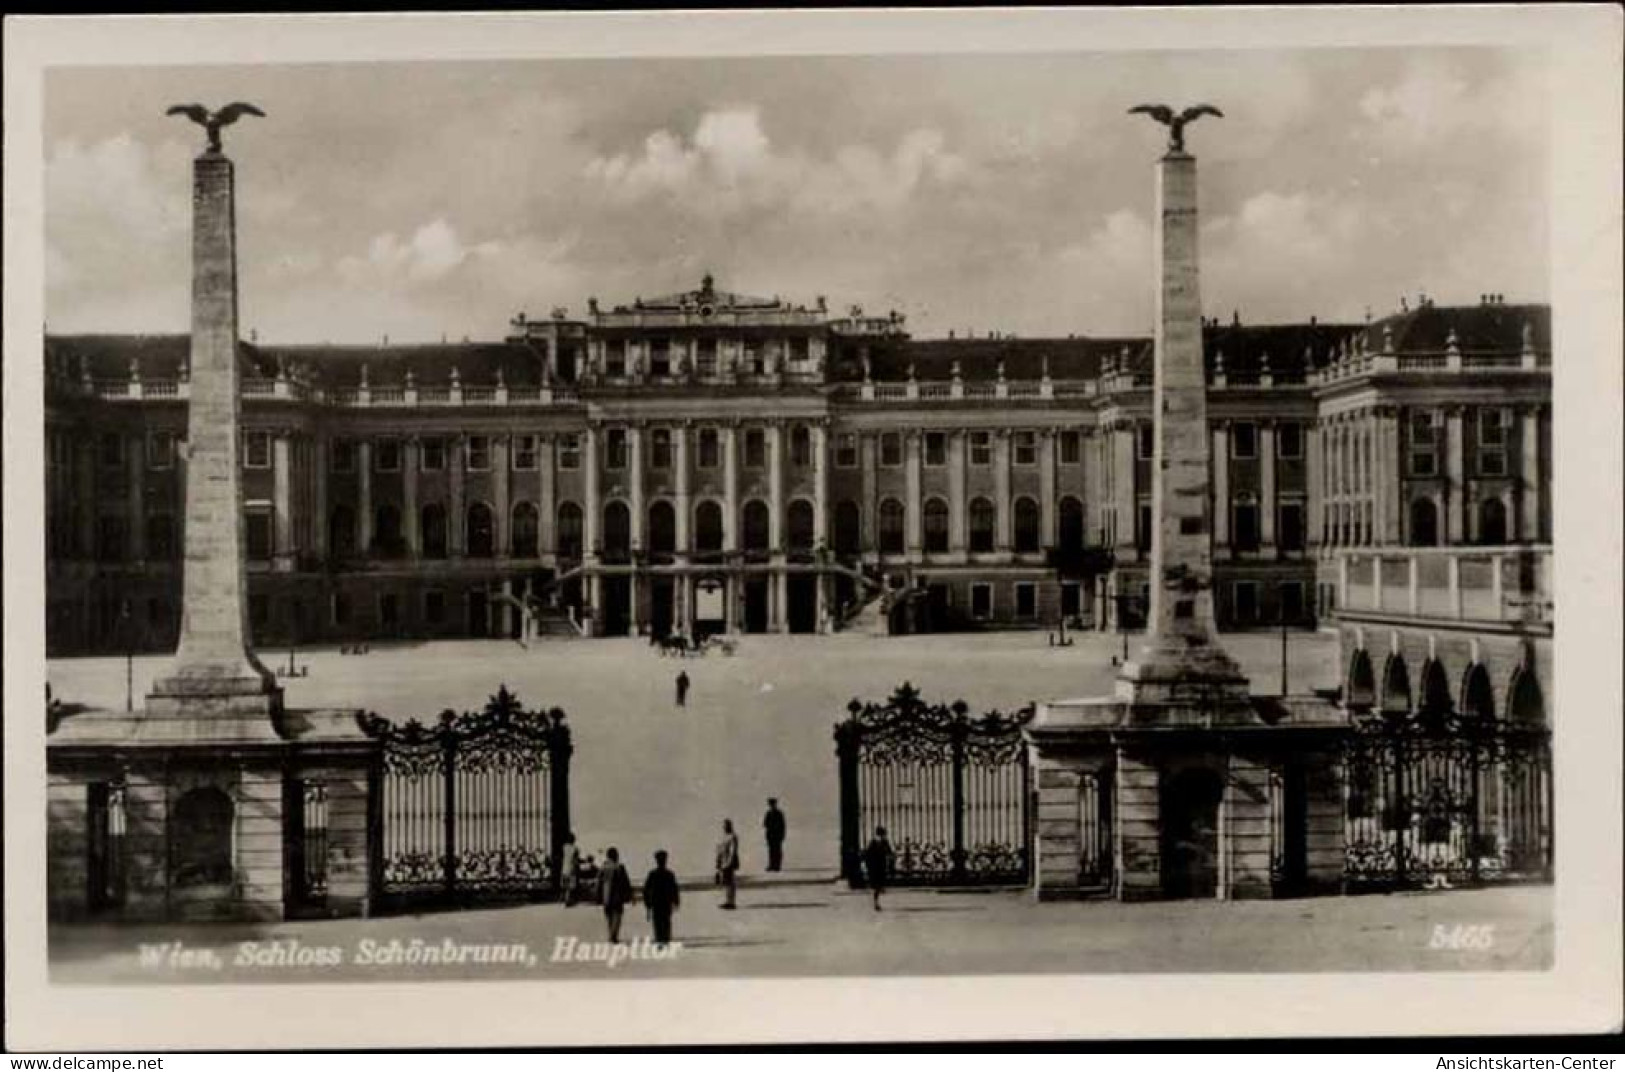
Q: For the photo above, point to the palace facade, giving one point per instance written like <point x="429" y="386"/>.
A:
<point x="713" y="462"/>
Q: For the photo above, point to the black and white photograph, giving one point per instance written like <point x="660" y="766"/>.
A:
<point x="748" y="502"/>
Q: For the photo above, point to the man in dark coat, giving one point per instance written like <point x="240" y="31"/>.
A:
<point x="728" y="864"/>
<point x="614" y="890"/>
<point x="773" y="826"/>
<point x="661" y="897"/>
<point x="682" y="688"/>
<point x="877" y="862"/>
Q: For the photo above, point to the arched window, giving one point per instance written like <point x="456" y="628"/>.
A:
<point x="1362" y="687"/>
<point x="1396" y="685"/>
<point x="662" y="528"/>
<point x="1424" y="523"/>
<point x="341" y="532"/>
<point x="1071" y="524"/>
<point x="800" y="524"/>
<point x="983" y="521"/>
<point x="1477" y="697"/>
<point x="801" y="446"/>
<point x="1028" y="522"/>
<point x="1435" y="690"/>
<point x="569" y="534"/>
<point x="892" y="524"/>
<point x="708" y="527"/>
<point x="848" y="528"/>
<point x="526" y="531"/>
<point x="1525" y="704"/>
<point x="386" y="531"/>
<point x="200" y="836"/>
<point x="432" y="519"/>
<point x="756" y="526"/>
<point x="1492" y="522"/>
<point x="936" y="526"/>
<point x="617" y="530"/>
<point x="480" y="532"/>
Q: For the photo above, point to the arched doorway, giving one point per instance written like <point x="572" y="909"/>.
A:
<point x="481" y="532"/>
<point x="200" y="838"/>
<point x="526" y="531"/>
<point x="755" y="526"/>
<point x="617" y="532"/>
<point x="936" y="526"/>
<point x="341" y="532"/>
<point x="386" y="532"/>
<point x="1525" y="704"/>
<point x="662" y="528"/>
<point x="1477" y="696"/>
<point x="569" y="534"/>
<point x="1190" y="833"/>
<point x="1071" y="524"/>
<point x="892" y="524"/>
<point x="1396" y="686"/>
<point x="1492" y="522"/>
<point x="983" y="519"/>
<point x="1424" y="523"/>
<point x="800" y="524"/>
<point x="1028" y="522"/>
<point x="708" y="527"/>
<point x="1362" y="685"/>
<point x="848" y="528"/>
<point x="432" y="519"/>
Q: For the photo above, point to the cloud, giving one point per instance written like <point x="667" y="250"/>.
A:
<point x="730" y="165"/>
<point x="432" y="252"/>
<point x="1438" y="100"/>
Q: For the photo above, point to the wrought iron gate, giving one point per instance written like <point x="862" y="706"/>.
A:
<point x="1446" y="799"/>
<point x="951" y="791"/>
<point x="473" y="808"/>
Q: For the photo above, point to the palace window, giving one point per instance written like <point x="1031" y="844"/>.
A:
<point x="343" y="456"/>
<point x="112" y="450"/>
<point x="615" y="357"/>
<point x="1492" y="440"/>
<point x="660" y="448"/>
<point x="1146" y="441"/>
<point x="1289" y="439"/>
<point x="256" y="450"/>
<point x="1291" y="608"/>
<point x="615" y="448"/>
<point x="755" y="359"/>
<point x="388" y="457"/>
<point x="524" y="452"/>
<point x="981" y="448"/>
<point x="846" y="451"/>
<point x="1244" y="440"/>
<point x="259" y="533"/>
<point x="1026" y="600"/>
<point x="432" y="530"/>
<point x="936" y="448"/>
<point x="891" y="449"/>
<point x="800" y="350"/>
<point x="1290" y="528"/>
<point x="160" y="450"/>
<point x="755" y="448"/>
<point x="1071" y="448"/>
<point x="1244" y="530"/>
<point x="936" y="526"/>
<point x="892" y="524"/>
<point x="705" y="358"/>
<point x="800" y="446"/>
<point x="709" y="448"/>
<point x="479" y="453"/>
<point x="1142" y="533"/>
<point x="1424" y="446"/>
<point x="1244" y="594"/>
<point x="659" y="357"/>
<point x="434" y="608"/>
<point x="1026" y="448"/>
<point x="569" y="450"/>
<point x="433" y="451"/>
<point x="981" y="602"/>
<point x="983" y="521"/>
<point x="1028" y="523"/>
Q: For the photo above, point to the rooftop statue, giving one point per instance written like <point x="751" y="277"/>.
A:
<point x="1175" y="123"/>
<point x="213" y="121"/>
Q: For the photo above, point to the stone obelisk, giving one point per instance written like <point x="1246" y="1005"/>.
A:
<point x="215" y="674"/>
<point x="1182" y="657"/>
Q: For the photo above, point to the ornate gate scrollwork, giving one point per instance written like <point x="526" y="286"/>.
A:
<point x="950" y="789"/>
<point x="474" y="807"/>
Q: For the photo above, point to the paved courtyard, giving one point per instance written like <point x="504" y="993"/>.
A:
<point x="647" y="774"/>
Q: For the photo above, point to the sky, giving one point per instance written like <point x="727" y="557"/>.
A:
<point x="432" y="200"/>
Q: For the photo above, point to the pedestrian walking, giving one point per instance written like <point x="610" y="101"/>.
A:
<point x="728" y="864"/>
<point x="877" y="861"/>
<point x="661" y="897"/>
<point x="570" y="871"/>
<point x="773" y="827"/>
<point x="682" y="688"/>
<point x="614" y="891"/>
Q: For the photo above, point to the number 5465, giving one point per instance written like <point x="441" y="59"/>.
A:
<point x="1462" y="936"/>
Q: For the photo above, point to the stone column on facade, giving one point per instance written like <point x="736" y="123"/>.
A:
<point x="1455" y="470"/>
<point x="1047" y="536"/>
<point x="1314" y="521"/>
<point x="820" y="461"/>
<point x="212" y="658"/>
<point x="591" y="513"/>
<point x="323" y="452"/>
<point x="455" y="476"/>
<point x="869" y="522"/>
<point x="775" y="486"/>
<point x="501" y="518"/>
<point x="135" y="462"/>
<point x="546" y="509"/>
<point x="411" y="528"/>
<point x="1529" y="476"/>
<point x="634" y="448"/>
<point x="363" y="496"/>
<point x="915" y="506"/>
<point x="1182" y="646"/>
<point x="1001" y="491"/>
<point x="684" y="504"/>
<point x="730" y="494"/>
<point x="1266" y="483"/>
<point x="1390" y="504"/>
<point x="956" y="492"/>
<point x="1126" y="499"/>
<point x="1221" y="488"/>
<point x="85" y="497"/>
<point x="282" y="498"/>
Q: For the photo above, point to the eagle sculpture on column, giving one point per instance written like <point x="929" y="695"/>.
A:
<point x="1175" y="123"/>
<point x="213" y="121"/>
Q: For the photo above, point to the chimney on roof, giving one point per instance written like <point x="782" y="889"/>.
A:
<point x="1235" y="318"/>
<point x="1404" y="305"/>
<point x="386" y="339"/>
<point x="950" y="333"/>
<point x="1313" y="320"/>
<point x="254" y="335"/>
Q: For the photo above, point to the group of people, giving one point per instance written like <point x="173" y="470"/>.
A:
<point x="661" y="894"/>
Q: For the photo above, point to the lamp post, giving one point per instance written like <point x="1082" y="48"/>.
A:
<point x="129" y="655"/>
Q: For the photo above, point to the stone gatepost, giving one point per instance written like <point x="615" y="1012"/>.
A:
<point x="213" y="801"/>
